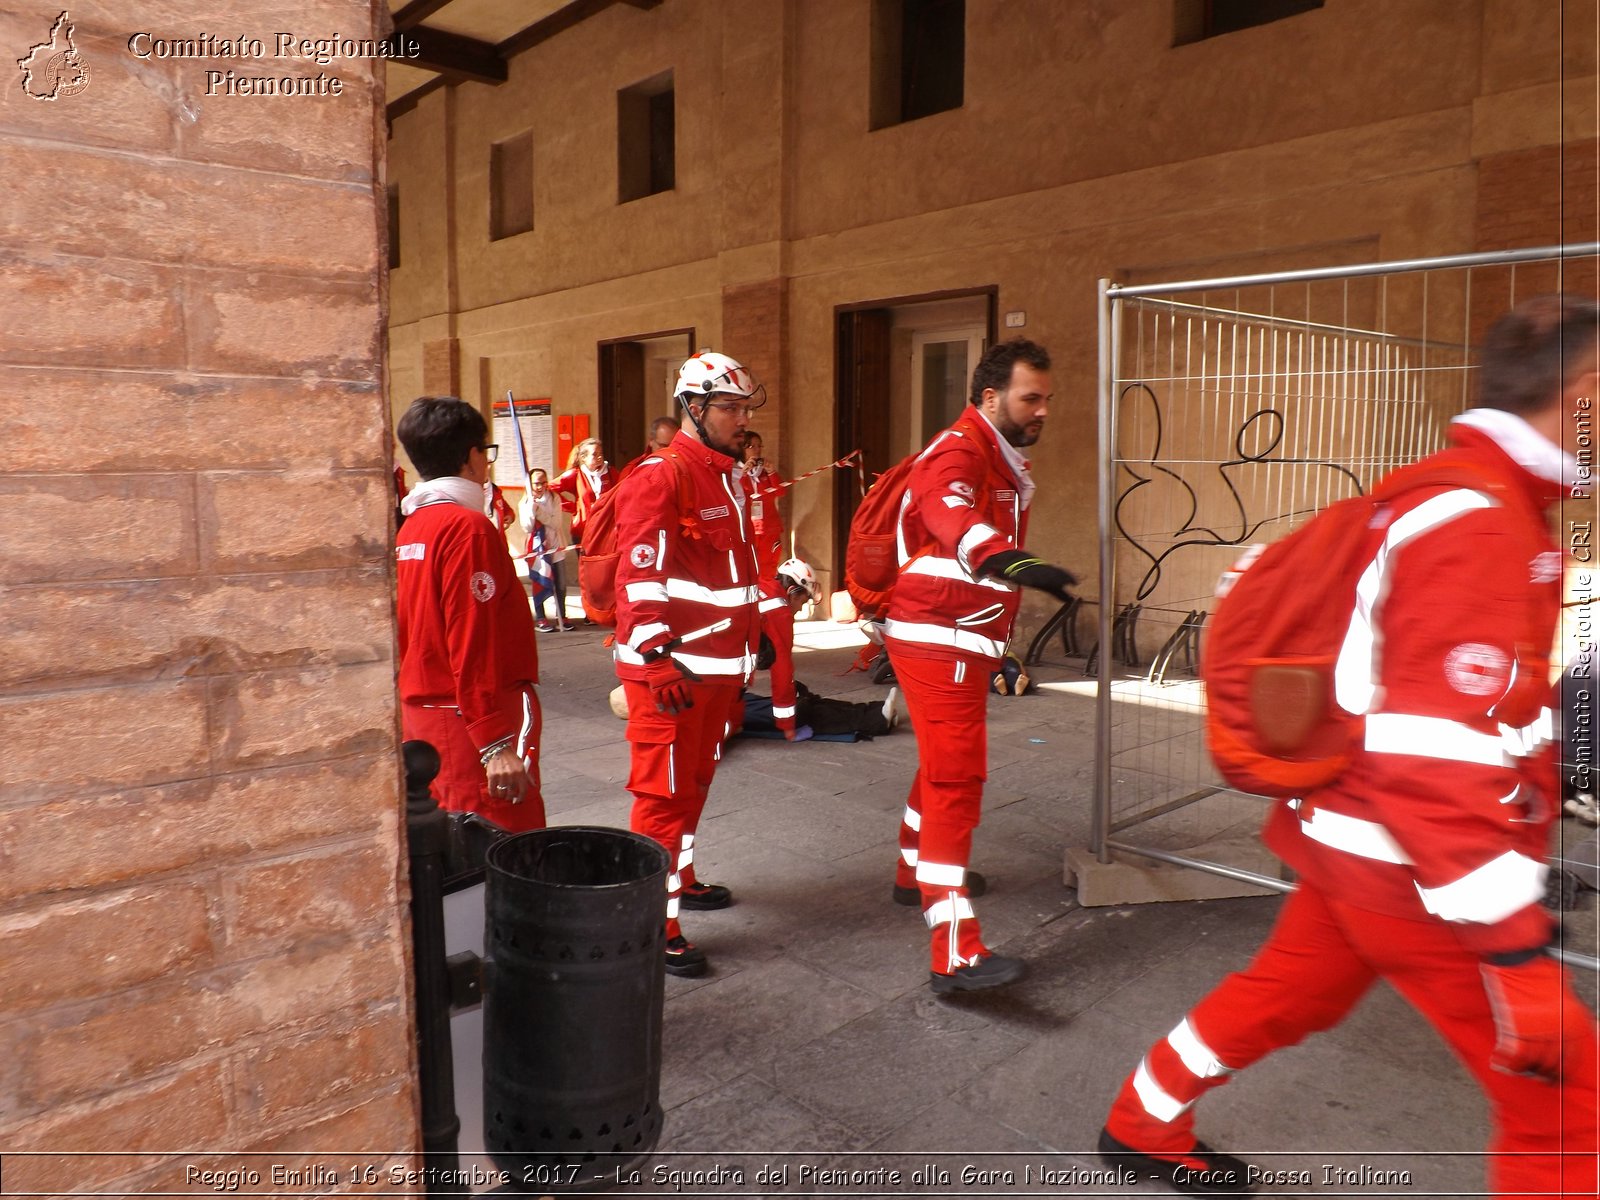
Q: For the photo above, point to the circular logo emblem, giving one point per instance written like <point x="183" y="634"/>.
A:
<point x="642" y="555"/>
<point x="482" y="585"/>
<point x="961" y="488"/>
<point x="1477" y="669"/>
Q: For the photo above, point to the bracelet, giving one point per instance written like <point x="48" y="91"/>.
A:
<point x="491" y="751"/>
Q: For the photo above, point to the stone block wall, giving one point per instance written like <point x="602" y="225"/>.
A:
<point x="203" y="940"/>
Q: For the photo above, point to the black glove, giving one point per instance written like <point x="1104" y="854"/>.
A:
<point x="1018" y="566"/>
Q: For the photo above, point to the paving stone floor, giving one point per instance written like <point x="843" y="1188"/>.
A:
<point x="815" y="1050"/>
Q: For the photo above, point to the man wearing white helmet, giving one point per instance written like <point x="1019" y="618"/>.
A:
<point x="687" y="624"/>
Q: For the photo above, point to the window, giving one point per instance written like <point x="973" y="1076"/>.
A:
<point x="1196" y="20"/>
<point x="394" y="226"/>
<point x="646" y="139"/>
<point x="919" y="51"/>
<point x="511" y="187"/>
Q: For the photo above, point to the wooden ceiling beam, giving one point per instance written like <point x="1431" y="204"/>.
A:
<point x="460" y="58"/>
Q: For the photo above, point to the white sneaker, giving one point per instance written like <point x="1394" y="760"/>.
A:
<point x="891" y="707"/>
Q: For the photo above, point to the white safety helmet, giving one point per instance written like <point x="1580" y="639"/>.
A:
<point x="796" y="572"/>
<point x="709" y="373"/>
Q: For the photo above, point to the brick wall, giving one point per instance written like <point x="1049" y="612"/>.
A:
<point x="754" y="318"/>
<point x="202" y="931"/>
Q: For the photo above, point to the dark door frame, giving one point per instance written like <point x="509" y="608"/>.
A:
<point x="846" y="420"/>
<point x="610" y="436"/>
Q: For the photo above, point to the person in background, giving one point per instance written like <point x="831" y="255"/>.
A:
<point x="662" y="431"/>
<point x="468" y="664"/>
<point x="586" y="478"/>
<point x="761" y="493"/>
<point x="542" y="517"/>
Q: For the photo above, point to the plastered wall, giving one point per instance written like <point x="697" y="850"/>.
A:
<point x="1088" y="146"/>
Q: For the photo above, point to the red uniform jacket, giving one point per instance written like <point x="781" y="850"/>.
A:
<point x="963" y="503"/>
<point x="678" y="573"/>
<point x="1446" y="809"/>
<point x="466" y="633"/>
<point x="580" y="496"/>
<point x="766" y="522"/>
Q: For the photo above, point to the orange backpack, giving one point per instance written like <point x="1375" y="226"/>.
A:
<point x="1273" y="725"/>
<point x="871" y="565"/>
<point x="597" y="561"/>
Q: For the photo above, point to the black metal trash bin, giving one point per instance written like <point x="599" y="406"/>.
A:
<point x="573" y="936"/>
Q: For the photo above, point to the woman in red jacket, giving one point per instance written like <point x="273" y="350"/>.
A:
<point x="587" y="476"/>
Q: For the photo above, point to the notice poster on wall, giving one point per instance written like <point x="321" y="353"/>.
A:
<point x="538" y="440"/>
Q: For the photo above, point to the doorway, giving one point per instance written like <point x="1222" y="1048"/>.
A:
<point x="901" y="372"/>
<point x="637" y="375"/>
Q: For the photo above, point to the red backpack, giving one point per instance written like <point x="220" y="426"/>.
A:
<point x="597" y="562"/>
<point x="1272" y="722"/>
<point x="871" y="565"/>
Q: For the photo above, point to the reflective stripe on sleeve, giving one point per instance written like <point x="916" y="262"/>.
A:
<point x="1490" y="893"/>
<point x="1432" y="737"/>
<point x="978" y="534"/>
<point x="775" y="602"/>
<point x="909" y="856"/>
<point x="640" y="635"/>
<point x="646" y="590"/>
<point x="734" y="597"/>
<point x="948" y="568"/>
<point x="912" y="819"/>
<point x="779" y="711"/>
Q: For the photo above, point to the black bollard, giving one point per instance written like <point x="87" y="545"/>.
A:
<point x="428" y="834"/>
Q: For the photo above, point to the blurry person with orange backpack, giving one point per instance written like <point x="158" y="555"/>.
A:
<point x="1419" y="839"/>
<point x="685" y="596"/>
<point x="961" y="524"/>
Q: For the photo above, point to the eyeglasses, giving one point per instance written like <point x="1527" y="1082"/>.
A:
<point x="491" y="451"/>
<point x="734" y="407"/>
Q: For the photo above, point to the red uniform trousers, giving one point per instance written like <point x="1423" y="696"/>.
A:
<point x="462" y="785"/>
<point x="674" y="756"/>
<point x="1320" y="959"/>
<point x="947" y="700"/>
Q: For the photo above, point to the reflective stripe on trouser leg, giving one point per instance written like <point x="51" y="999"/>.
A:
<point x="1305" y="978"/>
<point x="671" y="765"/>
<point x="910" y="827"/>
<point x="685" y="860"/>
<point x="955" y="940"/>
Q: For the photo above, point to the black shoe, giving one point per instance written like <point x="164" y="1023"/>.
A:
<point x="977" y="885"/>
<point x="685" y="959"/>
<point x="990" y="971"/>
<point x="1201" y="1172"/>
<point x="704" y="896"/>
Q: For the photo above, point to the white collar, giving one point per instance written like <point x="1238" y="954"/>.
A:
<point x="447" y="488"/>
<point x="1524" y="444"/>
<point x="1015" y="460"/>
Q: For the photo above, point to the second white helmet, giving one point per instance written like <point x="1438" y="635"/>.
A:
<point x="709" y="373"/>
<point x="796" y="572"/>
